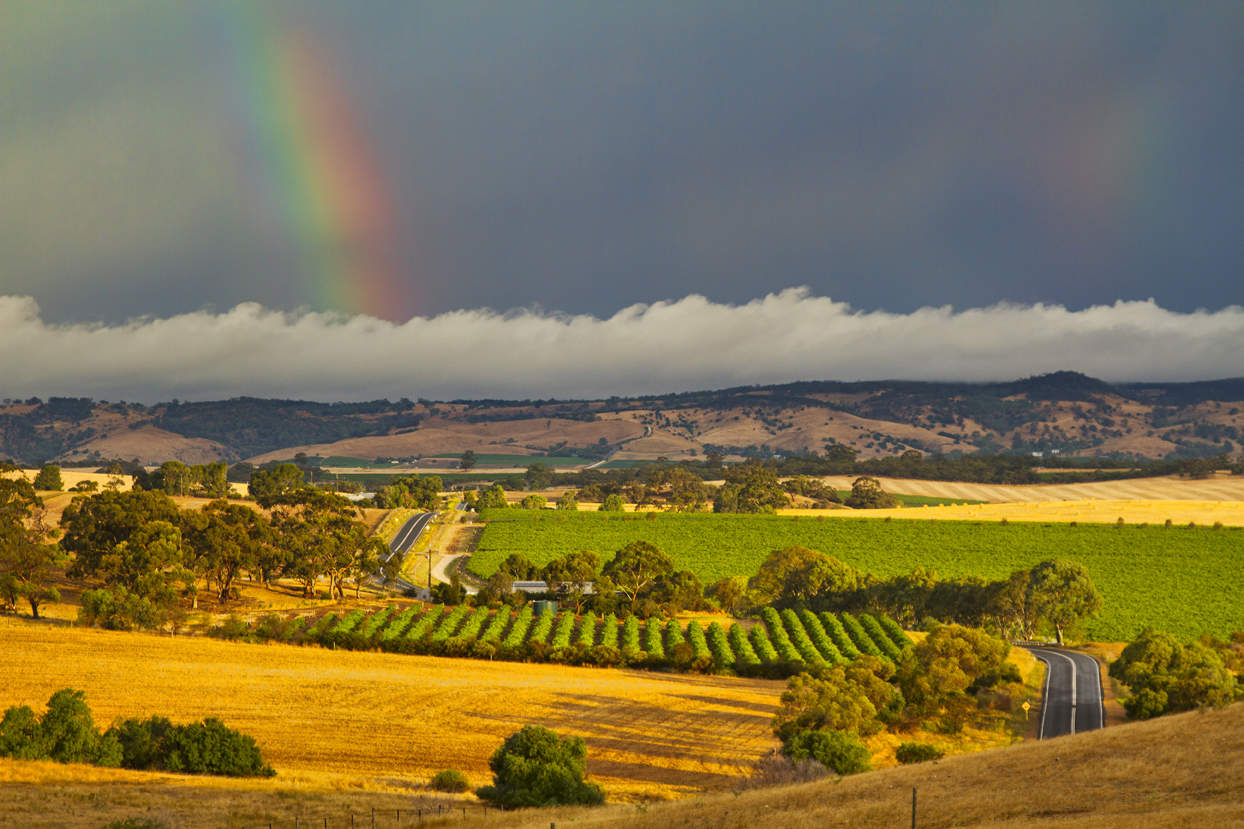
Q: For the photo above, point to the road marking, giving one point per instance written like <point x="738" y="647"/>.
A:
<point x="1045" y="694"/>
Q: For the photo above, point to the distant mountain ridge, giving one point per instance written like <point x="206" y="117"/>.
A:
<point x="1064" y="412"/>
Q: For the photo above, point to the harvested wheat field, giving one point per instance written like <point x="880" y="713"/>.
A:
<point x="1167" y="488"/>
<point x="358" y="718"/>
<point x="1207" y="513"/>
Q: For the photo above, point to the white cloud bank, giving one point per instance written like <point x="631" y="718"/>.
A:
<point x="684" y="345"/>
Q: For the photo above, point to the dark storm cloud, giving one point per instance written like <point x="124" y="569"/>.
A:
<point x="587" y="156"/>
<point x="673" y="346"/>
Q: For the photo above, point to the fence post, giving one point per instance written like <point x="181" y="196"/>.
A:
<point x="913" y="807"/>
<point x="373" y="817"/>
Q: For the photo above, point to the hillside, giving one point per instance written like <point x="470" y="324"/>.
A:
<point x="1064" y="412"/>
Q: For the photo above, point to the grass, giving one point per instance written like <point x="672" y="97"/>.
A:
<point x="1183" y="580"/>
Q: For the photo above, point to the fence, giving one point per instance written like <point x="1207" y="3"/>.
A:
<point x="439" y="814"/>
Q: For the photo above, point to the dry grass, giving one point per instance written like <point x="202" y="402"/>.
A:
<point x="362" y="717"/>
<point x="1177" y="771"/>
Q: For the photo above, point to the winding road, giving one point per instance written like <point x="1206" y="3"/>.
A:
<point x="1072" y="698"/>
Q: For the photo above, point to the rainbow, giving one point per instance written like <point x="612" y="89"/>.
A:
<point x="316" y="170"/>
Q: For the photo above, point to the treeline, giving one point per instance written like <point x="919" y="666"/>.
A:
<point x="1054" y="596"/>
<point x="150" y="555"/>
<point x="66" y="733"/>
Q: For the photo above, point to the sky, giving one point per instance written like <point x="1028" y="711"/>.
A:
<point x="346" y="169"/>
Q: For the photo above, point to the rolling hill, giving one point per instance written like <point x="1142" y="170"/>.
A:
<point x="1065" y="412"/>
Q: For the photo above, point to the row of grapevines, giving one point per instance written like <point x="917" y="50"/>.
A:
<point x="426" y="624"/>
<point x="397" y="626"/>
<point x="777" y="635"/>
<point x="322" y="624"/>
<point x="744" y="653"/>
<point x="474" y="623"/>
<point x="652" y="639"/>
<point x="630" y="634"/>
<point x="496" y="626"/>
<point x="873" y="628"/>
<point x="449" y="625"/>
<point x="858" y="635"/>
<point x="816" y="632"/>
<point x="609" y="631"/>
<point x="540" y="630"/>
<point x="838" y="634"/>
<point x="695" y="638"/>
<point x="562" y="631"/>
<point x="760" y="640"/>
<point x="719" y="645"/>
<point x="800" y="639"/>
<point x="587" y="630"/>
<point x="367" y="630"/>
<point x="673" y="635"/>
<point x="896" y="633"/>
<point x="518" y="630"/>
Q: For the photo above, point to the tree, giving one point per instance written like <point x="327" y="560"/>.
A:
<point x="467" y="461"/>
<point x="571" y="575"/>
<point x="491" y="498"/>
<point x="48" y="479"/>
<point x="568" y="501"/>
<point x="223" y="540"/>
<point x="612" y="503"/>
<point x="842" y="697"/>
<point x="539" y="475"/>
<point x="518" y="567"/>
<point x="1061" y="593"/>
<point x="798" y="575"/>
<point x="411" y="492"/>
<point x="269" y="484"/>
<point x="535" y="767"/>
<point x="686" y="491"/>
<point x="1164" y="675"/>
<point x="94" y="526"/>
<point x="939" y="673"/>
<point x="730" y="594"/>
<point x="752" y="487"/>
<point x="533" y="502"/>
<point x="28" y="563"/>
<point x="866" y="493"/>
<point x="635" y="567"/>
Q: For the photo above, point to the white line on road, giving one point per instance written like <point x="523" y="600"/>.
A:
<point x="1045" y="694"/>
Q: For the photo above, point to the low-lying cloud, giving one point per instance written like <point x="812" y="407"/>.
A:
<point x="687" y="344"/>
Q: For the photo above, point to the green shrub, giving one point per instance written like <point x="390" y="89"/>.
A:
<point x="917" y="753"/>
<point x="837" y="751"/>
<point x="535" y="767"/>
<point x="450" y="780"/>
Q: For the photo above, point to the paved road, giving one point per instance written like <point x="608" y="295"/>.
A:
<point x="1072" y="700"/>
<point x="409" y="533"/>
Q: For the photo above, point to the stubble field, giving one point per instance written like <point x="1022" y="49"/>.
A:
<point x="358" y="719"/>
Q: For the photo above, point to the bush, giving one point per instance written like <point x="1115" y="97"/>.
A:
<point x="207" y="747"/>
<point x="837" y="751"/>
<point x="450" y="780"/>
<point x="917" y="753"/>
<point x="535" y="767"/>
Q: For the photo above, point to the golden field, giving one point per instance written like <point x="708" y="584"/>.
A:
<point x="1219" y="487"/>
<point x="356" y="718"/>
<point x="1229" y="513"/>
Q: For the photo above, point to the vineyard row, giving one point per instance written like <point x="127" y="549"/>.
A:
<point x="780" y="643"/>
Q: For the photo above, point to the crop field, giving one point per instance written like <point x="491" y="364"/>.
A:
<point x="1216" y="488"/>
<point x="1181" y="579"/>
<point x="375" y="719"/>
<point x="780" y="645"/>
<point x="1132" y="511"/>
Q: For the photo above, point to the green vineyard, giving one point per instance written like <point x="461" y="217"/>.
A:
<point x="780" y="644"/>
<point x="1184" y="580"/>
